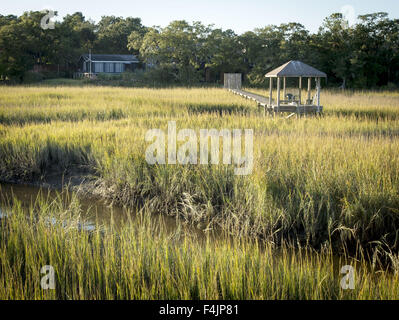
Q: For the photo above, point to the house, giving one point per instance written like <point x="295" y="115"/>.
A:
<point x="107" y="63"/>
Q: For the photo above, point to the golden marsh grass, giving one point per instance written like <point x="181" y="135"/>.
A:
<point x="330" y="182"/>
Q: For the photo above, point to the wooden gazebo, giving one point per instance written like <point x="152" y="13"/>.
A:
<point x="290" y="103"/>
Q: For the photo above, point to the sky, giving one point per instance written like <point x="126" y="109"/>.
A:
<point x="238" y="15"/>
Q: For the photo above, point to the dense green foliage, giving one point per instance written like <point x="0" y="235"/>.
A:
<point x="364" y="55"/>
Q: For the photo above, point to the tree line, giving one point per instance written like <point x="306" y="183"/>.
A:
<point x="363" y="55"/>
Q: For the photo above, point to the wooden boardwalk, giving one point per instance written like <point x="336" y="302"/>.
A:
<point x="261" y="100"/>
<point x="292" y="109"/>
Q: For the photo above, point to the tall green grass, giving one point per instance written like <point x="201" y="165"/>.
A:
<point x="333" y="180"/>
<point x="142" y="260"/>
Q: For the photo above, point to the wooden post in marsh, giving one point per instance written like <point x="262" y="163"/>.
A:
<point x="270" y="93"/>
<point x="318" y="93"/>
<point x="300" y="91"/>
<point x="278" y="94"/>
<point x="284" y="88"/>
<point x="308" y="102"/>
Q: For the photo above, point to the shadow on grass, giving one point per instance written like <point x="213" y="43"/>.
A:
<point x="375" y="115"/>
<point x="219" y="109"/>
<point x="70" y="116"/>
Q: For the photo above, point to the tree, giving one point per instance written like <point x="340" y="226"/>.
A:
<point x="76" y="36"/>
<point x="24" y="43"/>
<point x="224" y="53"/>
<point x="335" y="45"/>
<point x="178" y="49"/>
<point x="364" y="55"/>
<point x="113" y="32"/>
<point x="374" y="50"/>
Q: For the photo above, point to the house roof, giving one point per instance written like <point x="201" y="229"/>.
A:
<point x="295" y="69"/>
<point x="128" y="58"/>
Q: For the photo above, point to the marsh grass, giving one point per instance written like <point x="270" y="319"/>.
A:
<point x="317" y="182"/>
<point x="141" y="260"/>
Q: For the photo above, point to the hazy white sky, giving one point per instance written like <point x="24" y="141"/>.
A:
<point x="239" y="15"/>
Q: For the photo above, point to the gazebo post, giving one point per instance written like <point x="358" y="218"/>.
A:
<point x="278" y="94"/>
<point x="309" y="90"/>
<point x="270" y="93"/>
<point x="284" y="88"/>
<point x="318" y="93"/>
<point x="300" y="91"/>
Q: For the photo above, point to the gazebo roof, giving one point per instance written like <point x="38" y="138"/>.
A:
<point x="295" y="69"/>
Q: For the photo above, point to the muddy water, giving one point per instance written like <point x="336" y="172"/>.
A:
<point x="94" y="212"/>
